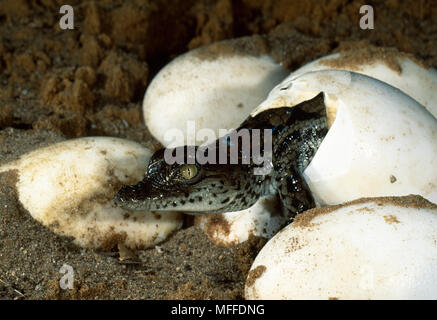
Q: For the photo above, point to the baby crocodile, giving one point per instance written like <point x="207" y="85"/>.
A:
<point x="296" y="134"/>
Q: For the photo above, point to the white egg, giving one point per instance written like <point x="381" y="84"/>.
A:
<point x="264" y="219"/>
<point x="393" y="67"/>
<point x="214" y="90"/>
<point x="381" y="248"/>
<point x="381" y="141"/>
<point x="69" y="187"/>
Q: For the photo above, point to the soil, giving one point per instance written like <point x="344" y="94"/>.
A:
<point x="59" y="84"/>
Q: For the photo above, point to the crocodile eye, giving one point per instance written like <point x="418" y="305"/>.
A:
<point x="188" y="171"/>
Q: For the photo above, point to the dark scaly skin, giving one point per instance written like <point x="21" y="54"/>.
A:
<point x="297" y="133"/>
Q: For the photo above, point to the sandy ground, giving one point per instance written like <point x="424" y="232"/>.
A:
<point x="56" y="85"/>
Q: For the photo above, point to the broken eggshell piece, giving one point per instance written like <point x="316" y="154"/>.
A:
<point x="69" y="187"/>
<point x="381" y="141"/>
<point x="380" y="248"/>
<point x="264" y="219"/>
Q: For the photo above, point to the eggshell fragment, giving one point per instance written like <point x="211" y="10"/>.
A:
<point x="69" y="187"/>
<point x="380" y="248"/>
<point x="381" y="141"/>
<point x="391" y="66"/>
<point x="264" y="219"/>
<point x="217" y="90"/>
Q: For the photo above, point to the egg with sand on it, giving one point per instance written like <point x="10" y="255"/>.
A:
<point x="69" y="188"/>
<point x="398" y="69"/>
<point x="263" y="219"/>
<point x="374" y="248"/>
<point x="215" y="87"/>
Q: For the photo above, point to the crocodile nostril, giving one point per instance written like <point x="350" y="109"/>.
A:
<point x="286" y="88"/>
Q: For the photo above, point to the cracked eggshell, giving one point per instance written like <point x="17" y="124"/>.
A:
<point x="217" y="90"/>
<point x="69" y="187"/>
<point x="391" y="66"/>
<point x="382" y="142"/>
<point x="380" y="248"/>
<point x="264" y="219"/>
